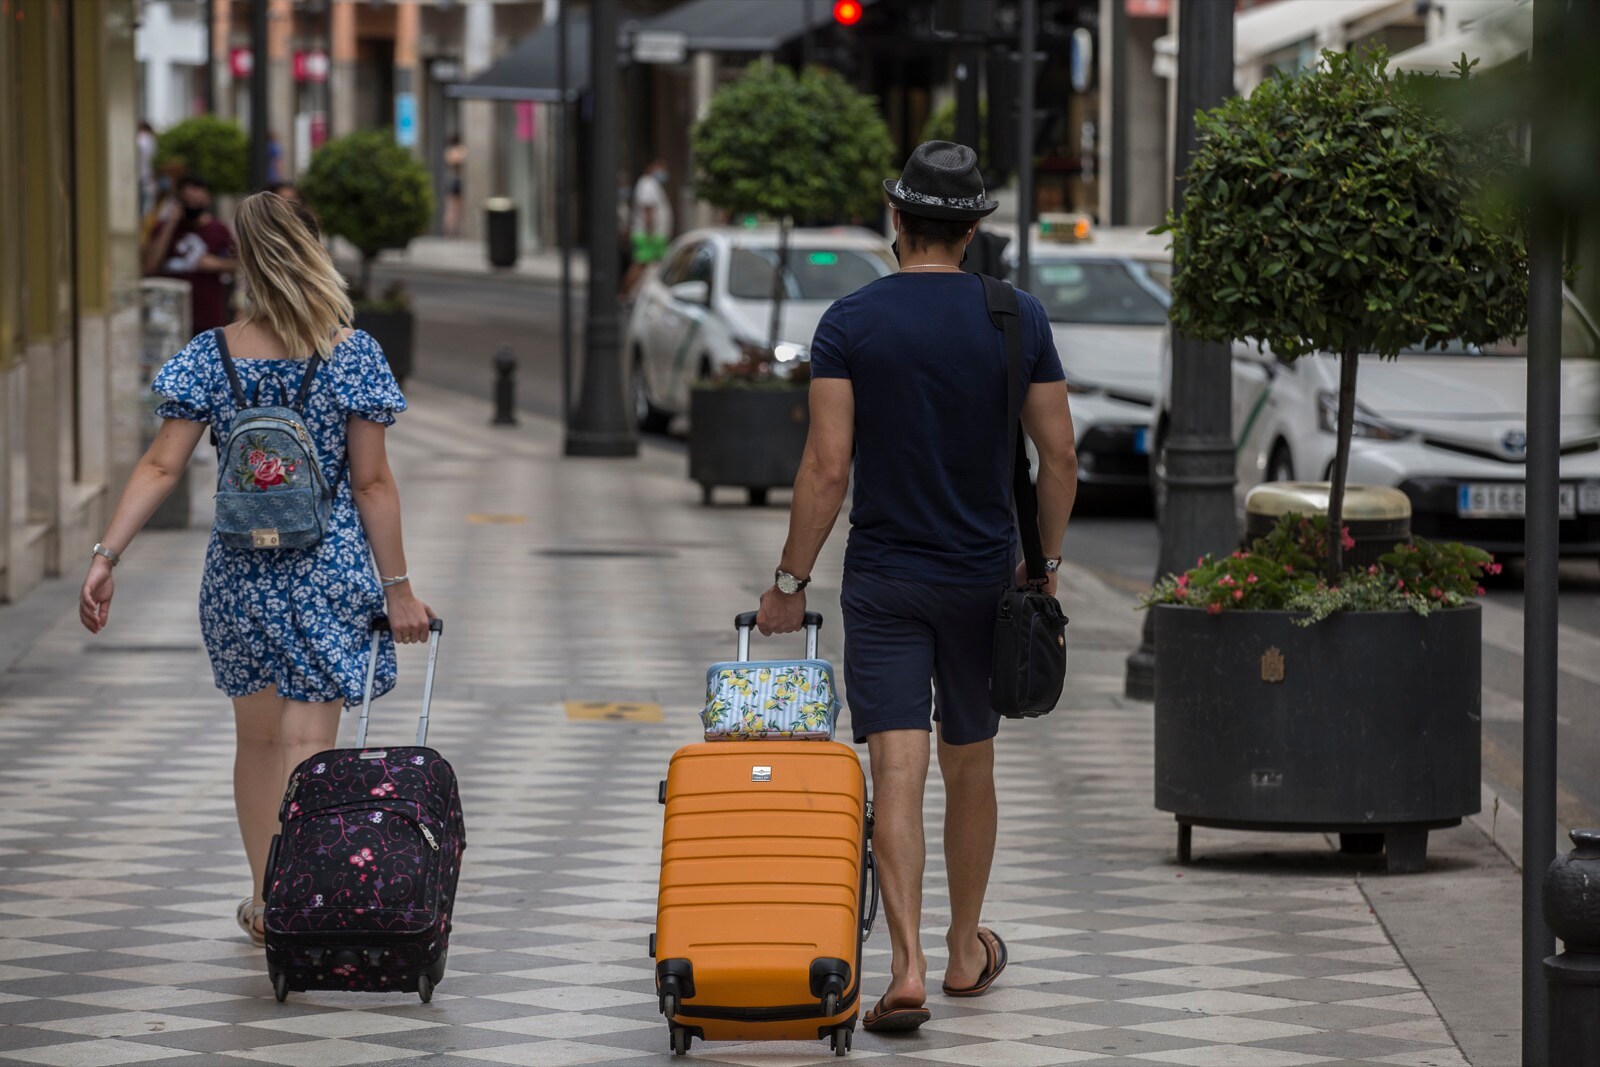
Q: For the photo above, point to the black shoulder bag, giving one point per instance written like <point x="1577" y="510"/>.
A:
<point x="1030" y="629"/>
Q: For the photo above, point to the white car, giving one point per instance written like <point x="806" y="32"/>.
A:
<point x="1448" y="428"/>
<point x="1107" y="297"/>
<point x="708" y="305"/>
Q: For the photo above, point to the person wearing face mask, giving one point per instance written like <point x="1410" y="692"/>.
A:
<point x="193" y="244"/>
<point x="651" y="227"/>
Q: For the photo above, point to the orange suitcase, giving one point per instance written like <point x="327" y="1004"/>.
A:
<point x="767" y="892"/>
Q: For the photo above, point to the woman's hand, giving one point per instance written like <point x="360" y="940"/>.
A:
<point x="408" y="616"/>
<point x="94" y="602"/>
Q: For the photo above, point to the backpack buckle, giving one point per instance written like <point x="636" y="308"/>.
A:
<point x="266" y="537"/>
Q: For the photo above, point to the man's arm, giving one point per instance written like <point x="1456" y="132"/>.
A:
<point x="1048" y="422"/>
<point x="155" y="250"/>
<point x="819" y="491"/>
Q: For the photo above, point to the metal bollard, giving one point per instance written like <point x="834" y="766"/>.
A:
<point x="1572" y="910"/>
<point x="505" y="388"/>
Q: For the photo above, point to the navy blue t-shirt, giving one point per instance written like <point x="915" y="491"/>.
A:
<point x="928" y="368"/>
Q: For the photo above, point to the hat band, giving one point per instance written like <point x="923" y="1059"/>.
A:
<point x="966" y="203"/>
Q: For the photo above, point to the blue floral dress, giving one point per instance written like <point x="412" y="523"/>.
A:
<point x="297" y="618"/>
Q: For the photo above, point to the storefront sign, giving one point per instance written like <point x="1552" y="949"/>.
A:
<point x="241" y="62"/>
<point x="311" y="66"/>
<point x="660" y="47"/>
<point x="405" y="119"/>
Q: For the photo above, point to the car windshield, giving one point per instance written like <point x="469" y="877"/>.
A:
<point x="1578" y="341"/>
<point x="1103" y="292"/>
<point x="813" y="273"/>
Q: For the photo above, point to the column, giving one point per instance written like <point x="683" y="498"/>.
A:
<point x="221" y="69"/>
<point x="407" y="80"/>
<point x="280" y="82"/>
<point x="477" y="121"/>
<point x="342" y="75"/>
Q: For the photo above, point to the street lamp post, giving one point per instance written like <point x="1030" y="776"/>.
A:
<point x="259" y="148"/>
<point x="1197" y="516"/>
<point x="601" y="426"/>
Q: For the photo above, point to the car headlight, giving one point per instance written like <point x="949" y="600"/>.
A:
<point x="1364" y="424"/>
<point x="787" y="352"/>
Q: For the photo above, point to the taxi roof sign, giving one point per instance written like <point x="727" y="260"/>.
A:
<point x="1065" y="227"/>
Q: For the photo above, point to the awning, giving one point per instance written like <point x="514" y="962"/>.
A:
<point x="1263" y="30"/>
<point x="739" y="25"/>
<point x="1492" y="41"/>
<point x="529" y="71"/>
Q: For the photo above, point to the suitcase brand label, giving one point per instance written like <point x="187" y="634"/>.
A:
<point x="379" y="754"/>
<point x="761" y="774"/>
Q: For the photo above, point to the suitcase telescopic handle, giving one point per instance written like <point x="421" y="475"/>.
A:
<point x="745" y="621"/>
<point x="380" y="626"/>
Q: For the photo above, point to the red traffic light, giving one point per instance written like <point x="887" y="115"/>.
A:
<point x="847" y="12"/>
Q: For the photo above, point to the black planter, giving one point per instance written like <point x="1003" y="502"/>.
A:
<point x="395" y="331"/>
<point x="747" y="437"/>
<point x="1367" y="724"/>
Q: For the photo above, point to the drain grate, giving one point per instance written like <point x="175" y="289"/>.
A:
<point x="604" y="552"/>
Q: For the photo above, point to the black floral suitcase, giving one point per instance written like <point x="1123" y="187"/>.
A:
<point x="361" y="877"/>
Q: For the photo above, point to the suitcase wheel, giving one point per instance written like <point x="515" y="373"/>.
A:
<point x="830" y="1005"/>
<point x="839" y="1041"/>
<point x="424" y="988"/>
<point x="669" y="1004"/>
<point x="681" y="1039"/>
<point x="280" y="986"/>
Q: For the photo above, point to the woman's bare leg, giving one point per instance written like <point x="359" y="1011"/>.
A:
<point x="306" y="730"/>
<point x="258" y="776"/>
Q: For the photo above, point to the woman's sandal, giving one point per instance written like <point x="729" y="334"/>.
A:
<point x="894" y="1020"/>
<point x="249" y="918"/>
<point x="996" y="949"/>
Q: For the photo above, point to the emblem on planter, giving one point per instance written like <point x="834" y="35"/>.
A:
<point x="1272" y="665"/>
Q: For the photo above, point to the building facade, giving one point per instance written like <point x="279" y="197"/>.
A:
<point x="69" y="281"/>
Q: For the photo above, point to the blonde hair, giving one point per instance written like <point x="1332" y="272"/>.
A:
<point x="295" y="290"/>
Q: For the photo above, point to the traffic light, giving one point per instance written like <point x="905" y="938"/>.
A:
<point x="847" y="12"/>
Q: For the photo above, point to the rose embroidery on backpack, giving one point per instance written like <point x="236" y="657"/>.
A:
<point x="264" y="467"/>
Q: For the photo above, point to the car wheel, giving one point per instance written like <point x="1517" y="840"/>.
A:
<point x="650" y="418"/>
<point x="1280" y="465"/>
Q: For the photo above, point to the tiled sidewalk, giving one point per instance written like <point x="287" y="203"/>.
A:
<point x="587" y="580"/>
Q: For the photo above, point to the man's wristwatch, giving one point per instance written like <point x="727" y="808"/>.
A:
<point x="787" y="583"/>
<point x="1052" y="565"/>
<point x="102" y="550"/>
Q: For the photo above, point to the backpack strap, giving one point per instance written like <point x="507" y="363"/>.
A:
<point x="312" y="365"/>
<point x="1006" y="313"/>
<point x="239" y="399"/>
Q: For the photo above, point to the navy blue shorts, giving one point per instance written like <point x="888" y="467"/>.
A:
<point x="899" y="637"/>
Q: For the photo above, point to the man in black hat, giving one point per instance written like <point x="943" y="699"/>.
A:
<point x="909" y="377"/>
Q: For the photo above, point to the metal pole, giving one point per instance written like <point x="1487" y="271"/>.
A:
<point x="1540" y="587"/>
<point x="1116" y="55"/>
<point x="259" y="152"/>
<point x="1198" y="516"/>
<point x="211" y="56"/>
<point x="603" y="423"/>
<point x="1028" y="15"/>
<point x="564" y="214"/>
<point x="967" y="52"/>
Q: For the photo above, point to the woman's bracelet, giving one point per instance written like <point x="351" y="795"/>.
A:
<point x="396" y="580"/>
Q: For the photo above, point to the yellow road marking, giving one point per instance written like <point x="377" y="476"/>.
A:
<point x="479" y="518"/>
<point x="614" y="710"/>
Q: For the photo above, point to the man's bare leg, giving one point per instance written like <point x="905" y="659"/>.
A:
<point x="970" y="817"/>
<point x="899" y="775"/>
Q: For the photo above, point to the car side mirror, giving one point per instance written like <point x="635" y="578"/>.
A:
<point x="695" y="292"/>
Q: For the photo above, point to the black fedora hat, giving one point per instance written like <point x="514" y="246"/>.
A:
<point x="941" y="181"/>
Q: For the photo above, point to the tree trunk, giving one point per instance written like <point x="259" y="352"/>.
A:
<point x="1341" y="465"/>
<point x="777" y="283"/>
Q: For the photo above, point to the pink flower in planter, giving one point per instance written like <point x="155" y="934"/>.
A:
<point x="1252" y="579"/>
<point x="1345" y="539"/>
<point x="1372" y="568"/>
<point x="1399" y="583"/>
<point x="1494" y="568"/>
<point x="1481" y="590"/>
<point x="1238" y="594"/>
<point x="1213" y="609"/>
<point x="1288" y="568"/>
<point x="1183" y="581"/>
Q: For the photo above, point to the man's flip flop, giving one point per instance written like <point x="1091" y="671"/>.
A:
<point x="894" y="1020"/>
<point x="996" y="949"/>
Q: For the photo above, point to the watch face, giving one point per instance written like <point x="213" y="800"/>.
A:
<point x="788" y="585"/>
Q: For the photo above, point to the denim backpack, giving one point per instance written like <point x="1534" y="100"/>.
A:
<point x="271" y="492"/>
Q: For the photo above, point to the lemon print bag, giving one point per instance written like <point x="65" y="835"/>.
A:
<point x="771" y="700"/>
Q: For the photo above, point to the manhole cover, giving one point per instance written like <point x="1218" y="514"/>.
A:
<point x="604" y="552"/>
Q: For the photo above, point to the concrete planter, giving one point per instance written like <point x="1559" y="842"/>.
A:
<point x="396" y="332"/>
<point x="1365" y="724"/>
<point x="752" y="438"/>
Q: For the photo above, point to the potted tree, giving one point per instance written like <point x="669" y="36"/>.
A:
<point x="1333" y="213"/>
<point x="375" y="194"/>
<point x="214" y="149"/>
<point x="796" y="148"/>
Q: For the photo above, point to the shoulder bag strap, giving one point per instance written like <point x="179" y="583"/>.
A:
<point x="239" y="399"/>
<point x="1006" y="314"/>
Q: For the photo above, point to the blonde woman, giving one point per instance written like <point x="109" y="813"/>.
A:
<point x="287" y="629"/>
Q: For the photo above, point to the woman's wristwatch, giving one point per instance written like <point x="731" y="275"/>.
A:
<point x="102" y="550"/>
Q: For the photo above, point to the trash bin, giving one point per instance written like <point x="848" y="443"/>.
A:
<point x="500" y="223"/>
<point x="1378" y="517"/>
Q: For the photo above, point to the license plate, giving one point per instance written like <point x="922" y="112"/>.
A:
<point x="1141" y="446"/>
<point x="1481" y="500"/>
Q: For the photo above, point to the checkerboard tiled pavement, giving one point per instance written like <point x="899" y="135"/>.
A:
<point x="587" y="580"/>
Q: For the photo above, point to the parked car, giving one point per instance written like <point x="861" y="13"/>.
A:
<point x="709" y="305"/>
<point x="1106" y="293"/>
<point x="1448" y="428"/>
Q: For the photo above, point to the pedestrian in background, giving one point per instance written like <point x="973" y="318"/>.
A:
<point x="193" y="244"/>
<point x="287" y="630"/>
<point x="455" y="158"/>
<point x="651" y="225"/>
<point x="144" y="146"/>
<point x="909" y="375"/>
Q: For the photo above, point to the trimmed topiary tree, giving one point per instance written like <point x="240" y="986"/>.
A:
<point x="1333" y="211"/>
<point x="796" y="147"/>
<point x="214" y="149"/>
<point x="370" y="191"/>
